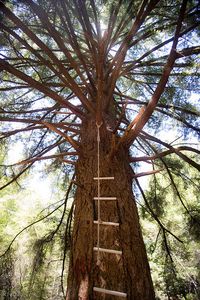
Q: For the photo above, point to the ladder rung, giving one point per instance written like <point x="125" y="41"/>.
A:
<point x="105" y="198"/>
<point x="109" y="292"/>
<point x="108" y="250"/>
<point x="106" y="223"/>
<point x="104" y="178"/>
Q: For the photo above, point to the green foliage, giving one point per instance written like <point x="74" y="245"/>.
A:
<point x="193" y="222"/>
<point x="177" y="286"/>
<point x="174" y="254"/>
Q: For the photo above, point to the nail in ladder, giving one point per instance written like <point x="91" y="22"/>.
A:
<point x="99" y="222"/>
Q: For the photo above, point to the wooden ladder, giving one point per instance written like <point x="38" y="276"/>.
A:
<point x="99" y="223"/>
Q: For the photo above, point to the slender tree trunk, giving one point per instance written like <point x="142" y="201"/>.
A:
<point x="129" y="272"/>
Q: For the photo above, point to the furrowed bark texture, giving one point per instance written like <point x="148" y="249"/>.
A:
<point x="128" y="272"/>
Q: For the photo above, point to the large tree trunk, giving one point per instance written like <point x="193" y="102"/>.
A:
<point x="129" y="272"/>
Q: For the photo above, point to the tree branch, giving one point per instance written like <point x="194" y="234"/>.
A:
<point x="171" y="148"/>
<point x="130" y="136"/>
<point x="164" y="153"/>
<point x="68" y="138"/>
<point x="39" y="86"/>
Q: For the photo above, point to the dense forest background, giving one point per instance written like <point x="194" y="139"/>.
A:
<point x="35" y="265"/>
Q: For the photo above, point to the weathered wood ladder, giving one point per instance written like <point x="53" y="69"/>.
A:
<point x="99" y="222"/>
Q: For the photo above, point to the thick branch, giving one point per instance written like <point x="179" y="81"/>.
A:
<point x="146" y="173"/>
<point x="130" y="100"/>
<point x="38" y="158"/>
<point x="69" y="139"/>
<point x="130" y="136"/>
<point x="40" y="87"/>
<point x="71" y="83"/>
<point x="56" y="36"/>
<point x="121" y="53"/>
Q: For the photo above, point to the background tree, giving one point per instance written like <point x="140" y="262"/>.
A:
<point x="31" y="241"/>
<point x="71" y="67"/>
<point x="176" y="272"/>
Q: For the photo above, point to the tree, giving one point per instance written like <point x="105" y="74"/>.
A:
<point x="65" y="79"/>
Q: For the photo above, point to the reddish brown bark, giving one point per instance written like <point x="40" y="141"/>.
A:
<point x="130" y="272"/>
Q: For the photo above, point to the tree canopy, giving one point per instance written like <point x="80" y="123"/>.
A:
<point x="61" y="61"/>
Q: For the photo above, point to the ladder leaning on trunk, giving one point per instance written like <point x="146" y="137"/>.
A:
<point x="99" y="222"/>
